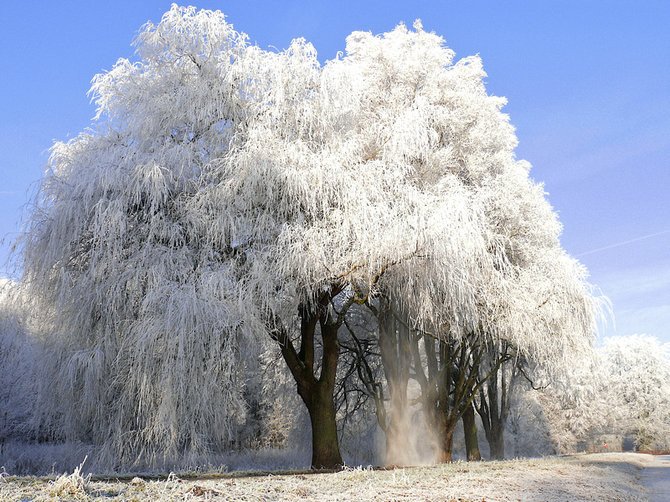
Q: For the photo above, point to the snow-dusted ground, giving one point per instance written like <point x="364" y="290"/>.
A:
<point x="611" y="477"/>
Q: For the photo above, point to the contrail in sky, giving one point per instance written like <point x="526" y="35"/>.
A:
<point x="624" y="243"/>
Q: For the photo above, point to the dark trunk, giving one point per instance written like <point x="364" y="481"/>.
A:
<point x="493" y="420"/>
<point x="496" y="440"/>
<point x="495" y="399"/>
<point x="316" y="393"/>
<point x="325" y="445"/>
<point x="470" y="429"/>
<point x="446" y="446"/>
<point x="459" y="368"/>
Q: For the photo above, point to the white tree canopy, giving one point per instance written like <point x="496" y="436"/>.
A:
<point x="221" y="185"/>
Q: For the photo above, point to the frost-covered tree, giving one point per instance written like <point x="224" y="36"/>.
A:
<point x="224" y="194"/>
<point x="537" y="300"/>
<point x="636" y="389"/>
<point x="622" y="392"/>
<point x="543" y="316"/>
<point x="227" y="197"/>
<point x="144" y="354"/>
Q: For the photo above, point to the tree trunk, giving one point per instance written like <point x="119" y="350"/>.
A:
<point x="446" y="446"/>
<point x="495" y="401"/>
<point x="459" y="369"/>
<point x="497" y="442"/>
<point x="316" y="393"/>
<point x="470" y="428"/>
<point x="325" y="444"/>
<point x="494" y="427"/>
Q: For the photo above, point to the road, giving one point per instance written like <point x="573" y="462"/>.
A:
<point x="656" y="478"/>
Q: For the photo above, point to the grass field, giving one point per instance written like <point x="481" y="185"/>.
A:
<point x="602" y="477"/>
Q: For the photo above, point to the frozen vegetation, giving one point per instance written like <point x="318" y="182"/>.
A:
<point x="611" y="477"/>
<point x="255" y="261"/>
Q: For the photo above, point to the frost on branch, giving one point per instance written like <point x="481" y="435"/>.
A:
<point x="145" y="351"/>
<point x="224" y="190"/>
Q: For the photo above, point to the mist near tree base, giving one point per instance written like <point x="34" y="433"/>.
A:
<point x="409" y="438"/>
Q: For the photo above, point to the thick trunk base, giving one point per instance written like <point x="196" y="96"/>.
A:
<point x="446" y="448"/>
<point x="471" y="442"/>
<point x="497" y="445"/>
<point x="325" y="444"/>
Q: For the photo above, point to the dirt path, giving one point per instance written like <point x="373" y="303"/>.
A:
<point x="655" y="477"/>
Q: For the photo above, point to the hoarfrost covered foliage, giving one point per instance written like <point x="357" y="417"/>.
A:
<point x="223" y="186"/>
<point x="572" y="408"/>
<point x="636" y="374"/>
<point x="18" y="355"/>
<point x="621" y="393"/>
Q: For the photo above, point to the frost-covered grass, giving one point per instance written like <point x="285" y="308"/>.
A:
<point x="22" y="458"/>
<point x="609" y="477"/>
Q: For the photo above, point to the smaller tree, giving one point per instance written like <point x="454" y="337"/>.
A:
<point x="570" y="404"/>
<point x="636" y="388"/>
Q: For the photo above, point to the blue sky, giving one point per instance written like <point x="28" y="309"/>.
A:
<point x="588" y="84"/>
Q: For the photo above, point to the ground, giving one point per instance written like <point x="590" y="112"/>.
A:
<point x="610" y="476"/>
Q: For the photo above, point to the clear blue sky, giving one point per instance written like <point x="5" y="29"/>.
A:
<point x="588" y="84"/>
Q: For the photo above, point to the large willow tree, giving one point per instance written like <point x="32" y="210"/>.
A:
<point x="432" y="117"/>
<point x="227" y="196"/>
